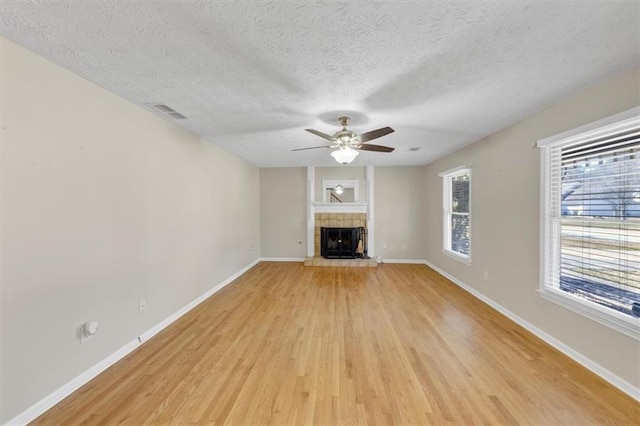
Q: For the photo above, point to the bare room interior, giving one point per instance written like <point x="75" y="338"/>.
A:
<point x="320" y="212"/>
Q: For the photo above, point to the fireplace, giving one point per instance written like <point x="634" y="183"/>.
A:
<point x="341" y="243"/>
<point x="338" y="220"/>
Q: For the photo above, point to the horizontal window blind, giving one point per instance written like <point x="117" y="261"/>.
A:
<point x="593" y="219"/>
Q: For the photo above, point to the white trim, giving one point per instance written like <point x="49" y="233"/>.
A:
<point x="550" y="228"/>
<point x="615" y="380"/>
<point x="371" y="229"/>
<point x="331" y="183"/>
<point x="410" y="261"/>
<point x="457" y="256"/>
<point x="311" y="216"/>
<point x="68" y="388"/>
<point x="543" y="218"/>
<point x="339" y="207"/>
<point x="630" y="117"/>
<point x="455" y="171"/>
<point x="162" y="325"/>
<point x="625" y="324"/>
<point x="282" y="259"/>
<point x="314" y="207"/>
<point x="447" y="200"/>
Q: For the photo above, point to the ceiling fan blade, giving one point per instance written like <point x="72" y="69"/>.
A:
<point x="377" y="148"/>
<point x="322" y="135"/>
<point x="312" y="147"/>
<point x="375" y="134"/>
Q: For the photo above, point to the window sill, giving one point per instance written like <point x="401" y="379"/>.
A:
<point x="625" y="324"/>
<point x="457" y="256"/>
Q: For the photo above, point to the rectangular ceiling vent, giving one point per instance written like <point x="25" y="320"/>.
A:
<point x="166" y="110"/>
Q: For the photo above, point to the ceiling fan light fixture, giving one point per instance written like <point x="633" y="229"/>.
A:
<point x="339" y="189"/>
<point x="344" y="155"/>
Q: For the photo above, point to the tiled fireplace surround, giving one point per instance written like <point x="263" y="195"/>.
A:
<point x="336" y="220"/>
<point x="337" y="215"/>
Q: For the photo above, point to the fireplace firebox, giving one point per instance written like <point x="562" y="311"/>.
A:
<point x="341" y="243"/>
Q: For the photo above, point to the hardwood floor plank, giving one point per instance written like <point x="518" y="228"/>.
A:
<point x="288" y="344"/>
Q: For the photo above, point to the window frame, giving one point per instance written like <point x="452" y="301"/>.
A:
<point x="447" y="212"/>
<point x="349" y="183"/>
<point x="549" y="245"/>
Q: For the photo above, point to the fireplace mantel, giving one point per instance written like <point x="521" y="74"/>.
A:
<point x="314" y="207"/>
<point x="340" y="207"/>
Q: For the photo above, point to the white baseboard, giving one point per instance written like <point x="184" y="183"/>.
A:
<point x="412" y="261"/>
<point x="282" y="259"/>
<point x="302" y="259"/>
<point x="162" y="325"/>
<point x="596" y="368"/>
<point x="68" y="388"/>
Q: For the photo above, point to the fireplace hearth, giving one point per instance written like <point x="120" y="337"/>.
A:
<point x="342" y="243"/>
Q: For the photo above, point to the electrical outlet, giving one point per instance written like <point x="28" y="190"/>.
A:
<point x="485" y="275"/>
<point x="142" y="305"/>
<point x="253" y="249"/>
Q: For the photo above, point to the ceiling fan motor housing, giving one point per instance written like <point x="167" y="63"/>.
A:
<point x="345" y="137"/>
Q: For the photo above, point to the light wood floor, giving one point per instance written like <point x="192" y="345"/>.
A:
<point x="395" y="344"/>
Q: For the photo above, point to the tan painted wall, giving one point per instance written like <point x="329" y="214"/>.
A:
<point x="400" y="204"/>
<point x="505" y="222"/>
<point x="103" y="204"/>
<point x="283" y="212"/>
<point x="400" y="207"/>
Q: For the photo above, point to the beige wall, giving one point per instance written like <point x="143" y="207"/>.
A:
<point x="505" y="222"/>
<point x="283" y="212"/>
<point x="400" y="206"/>
<point x="399" y="216"/>
<point x="103" y="204"/>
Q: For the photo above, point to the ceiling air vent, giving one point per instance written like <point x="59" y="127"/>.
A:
<point x="414" y="149"/>
<point x="166" y="110"/>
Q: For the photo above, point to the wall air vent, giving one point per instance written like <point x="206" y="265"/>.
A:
<point x="414" y="149"/>
<point x="166" y="111"/>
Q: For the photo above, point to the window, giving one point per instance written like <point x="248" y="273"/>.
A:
<point x="590" y="215"/>
<point x="456" y="226"/>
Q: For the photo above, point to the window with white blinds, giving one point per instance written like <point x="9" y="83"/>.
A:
<point x="591" y="222"/>
<point x="457" y="213"/>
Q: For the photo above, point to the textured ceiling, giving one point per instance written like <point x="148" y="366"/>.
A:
<point x="251" y="76"/>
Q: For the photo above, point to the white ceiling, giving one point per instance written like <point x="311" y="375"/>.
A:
<point x="251" y="76"/>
